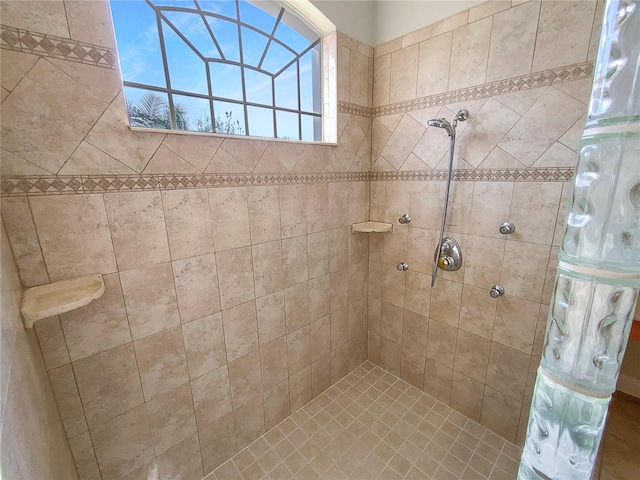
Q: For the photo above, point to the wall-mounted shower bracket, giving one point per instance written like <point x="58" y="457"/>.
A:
<point x="507" y="228"/>
<point x="449" y="255"/>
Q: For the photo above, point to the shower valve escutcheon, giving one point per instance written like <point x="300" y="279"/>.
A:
<point x="496" y="291"/>
<point x="449" y="255"/>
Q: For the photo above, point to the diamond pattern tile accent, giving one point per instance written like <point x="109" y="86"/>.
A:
<point x="20" y="40"/>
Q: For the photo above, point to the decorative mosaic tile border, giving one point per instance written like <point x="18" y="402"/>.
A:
<point x="567" y="73"/>
<point x="355" y="109"/>
<point x="20" y="40"/>
<point x="66" y="185"/>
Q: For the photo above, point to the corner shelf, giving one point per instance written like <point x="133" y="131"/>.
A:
<point x="371" y="227"/>
<point x="55" y="298"/>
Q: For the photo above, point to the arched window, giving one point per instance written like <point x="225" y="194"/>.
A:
<point x="233" y="66"/>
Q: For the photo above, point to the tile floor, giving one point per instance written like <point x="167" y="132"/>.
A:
<point x="372" y="425"/>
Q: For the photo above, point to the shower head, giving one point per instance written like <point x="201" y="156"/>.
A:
<point x="441" y="123"/>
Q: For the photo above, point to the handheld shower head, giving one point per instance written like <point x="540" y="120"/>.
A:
<point x="441" y="123"/>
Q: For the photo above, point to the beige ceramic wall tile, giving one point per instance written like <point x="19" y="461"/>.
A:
<point x="90" y="23"/>
<point x="477" y="311"/>
<point x="506" y="57"/>
<point x="404" y="74"/>
<point x="441" y="343"/>
<point x="217" y="442"/>
<point x="240" y="330"/>
<point x="229" y="217"/>
<point x="150" y="298"/>
<point x="15" y="65"/>
<point x="113" y="442"/>
<point x="500" y="413"/>
<point x="318" y="254"/>
<point x="68" y="400"/>
<point x="320" y="338"/>
<point x="466" y="395"/>
<point x="197" y="150"/>
<point x="14" y="165"/>
<point x="298" y="349"/>
<point x="245" y="379"/>
<point x="487" y="9"/>
<point x="162" y="362"/>
<point x="472" y="355"/>
<point x="381" y="80"/>
<point x="104" y="83"/>
<point x="521" y="102"/>
<point x="317" y="207"/>
<point x="391" y="322"/>
<point x="390" y="356"/>
<point x="402" y="142"/>
<point x="358" y="79"/>
<point x="84" y="456"/>
<point x="109" y="383"/>
<point x="26" y="138"/>
<point x="515" y="324"/>
<point x="437" y="380"/>
<point x="276" y="404"/>
<point x="74" y="235"/>
<point x="188" y="219"/>
<point x="211" y="396"/>
<point x="204" y="344"/>
<point x="52" y="342"/>
<point x="491" y="201"/>
<point x="412" y="368"/>
<point x="425" y="205"/>
<point x="271" y="317"/>
<point x="296" y="306"/>
<point x="414" y="332"/>
<point x="267" y="267"/>
<point x="507" y="370"/>
<point x="293" y="210"/>
<point x="300" y="388"/>
<point x="339" y="328"/>
<point x="235" y="276"/>
<point x="87" y="158"/>
<point x="469" y="54"/>
<point x="484" y="256"/>
<point x="450" y="23"/>
<point x="249" y="422"/>
<point x="434" y="62"/>
<point x="524" y="268"/>
<point x="343" y="73"/>
<point x="171" y="418"/>
<point x="273" y="363"/>
<point x="182" y="460"/>
<point x="534" y="211"/>
<point x="295" y="260"/>
<point x="196" y="282"/>
<point x="557" y="19"/>
<point x="137" y="228"/>
<point x="264" y="213"/>
<point x="99" y="326"/>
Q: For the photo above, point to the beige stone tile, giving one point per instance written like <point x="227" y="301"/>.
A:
<point x="441" y="343"/>
<point x="197" y="150"/>
<point x="395" y="245"/>
<point x="273" y="363"/>
<point x="171" y="418"/>
<point x="402" y="141"/>
<point x="246" y="152"/>
<point x="487" y="9"/>
<point x="338" y="205"/>
<point x="245" y="378"/>
<point x="295" y="260"/>
<point x="319" y="338"/>
<point x="469" y="54"/>
<point x="534" y="210"/>
<point x="218" y="442"/>
<point x="338" y="248"/>
<point x="300" y="388"/>
<point x="74" y="235"/>
<point x="68" y="400"/>
<point x="508" y="58"/>
<point x="466" y="395"/>
<point x="162" y="362"/>
<point x="437" y="380"/>
<point x="264" y="213"/>
<point x="99" y="326"/>
<point x="490" y="207"/>
<point x="500" y="413"/>
<point x="515" y="324"/>
<point x="222" y="161"/>
<point x="477" y="311"/>
<point x="87" y="158"/>
<point x="414" y="332"/>
<point x="412" y="368"/>
<point x="556" y="156"/>
<point x="229" y="217"/>
<point x="298" y="349"/>
<point x="450" y="23"/>
<point x="113" y="136"/>
<point x="188" y="221"/>
<point x="390" y="356"/>
<point x="296" y="306"/>
<point x="550" y="277"/>
<point x="276" y="404"/>
<point x="204" y="344"/>
<point x="47" y="142"/>
<point x="271" y="317"/>
<point x="567" y="190"/>
<point x="524" y="268"/>
<point x="249" y="421"/>
<point x="404" y="74"/>
<point x="460" y="198"/>
<point x="235" y="277"/>
<point x="433" y="70"/>
<point x="483" y="257"/>
<point x="240" y="330"/>
<point x="24" y="241"/>
<point x="293" y="210"/>
<point x="317" y="207"/>
<point x="507" y="370"/>
<point x="211" y="396"/>
<point x="392" y="285"/>
<point x="52" y="342"/>
<point x="196" y="282"/>
<point x="319" y="297"/>
<point x="425" y="205"/>
<point x="557" y="20"/>
<point x="391" y="322"/>
<point x="123" y="444"/>
<point x="182" y="461"/>
<point x="321" y="374"/>
<point x="318" y="253"/>
<point x="339" y="327"/>
<point x="359" y="92"/>
<point x="417" y="294"/>
<point x="150" y="298"/>
<point x="89" y="23"/>
<point x="109" y="383"/>
<point x="446" y="298"/>
<point x="381" y="80"/>
<point x="267" y="267"/>
<point x="137" y="228"/>
<point x="84" y="456"/>
<point x="545" y="122"/>
<point x="15" y="65"/>
<point x="520" y="102"/>
<point x="343" y="73"/>
<point x="339" y="363"/>
<point x="472" y="355"/>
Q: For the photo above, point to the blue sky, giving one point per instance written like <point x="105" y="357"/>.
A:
<point x="141" y="60"/>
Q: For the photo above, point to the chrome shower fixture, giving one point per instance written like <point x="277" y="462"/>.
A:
<point x="461" y="116"/>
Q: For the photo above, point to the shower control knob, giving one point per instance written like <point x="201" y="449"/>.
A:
<point x="496" y="291"/>
<point x="507" y="228"/>
<point x="404" y="219"/>
<point x="402" y="267"/>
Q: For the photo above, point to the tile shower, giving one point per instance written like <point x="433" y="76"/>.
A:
<point x="236" y="292"/>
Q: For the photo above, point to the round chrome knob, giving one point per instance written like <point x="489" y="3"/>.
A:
<point x="404" y="219"/>
<point x="402" y="267"/>
<point x="507" y="228"/>
<point x="496" y="291"/>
